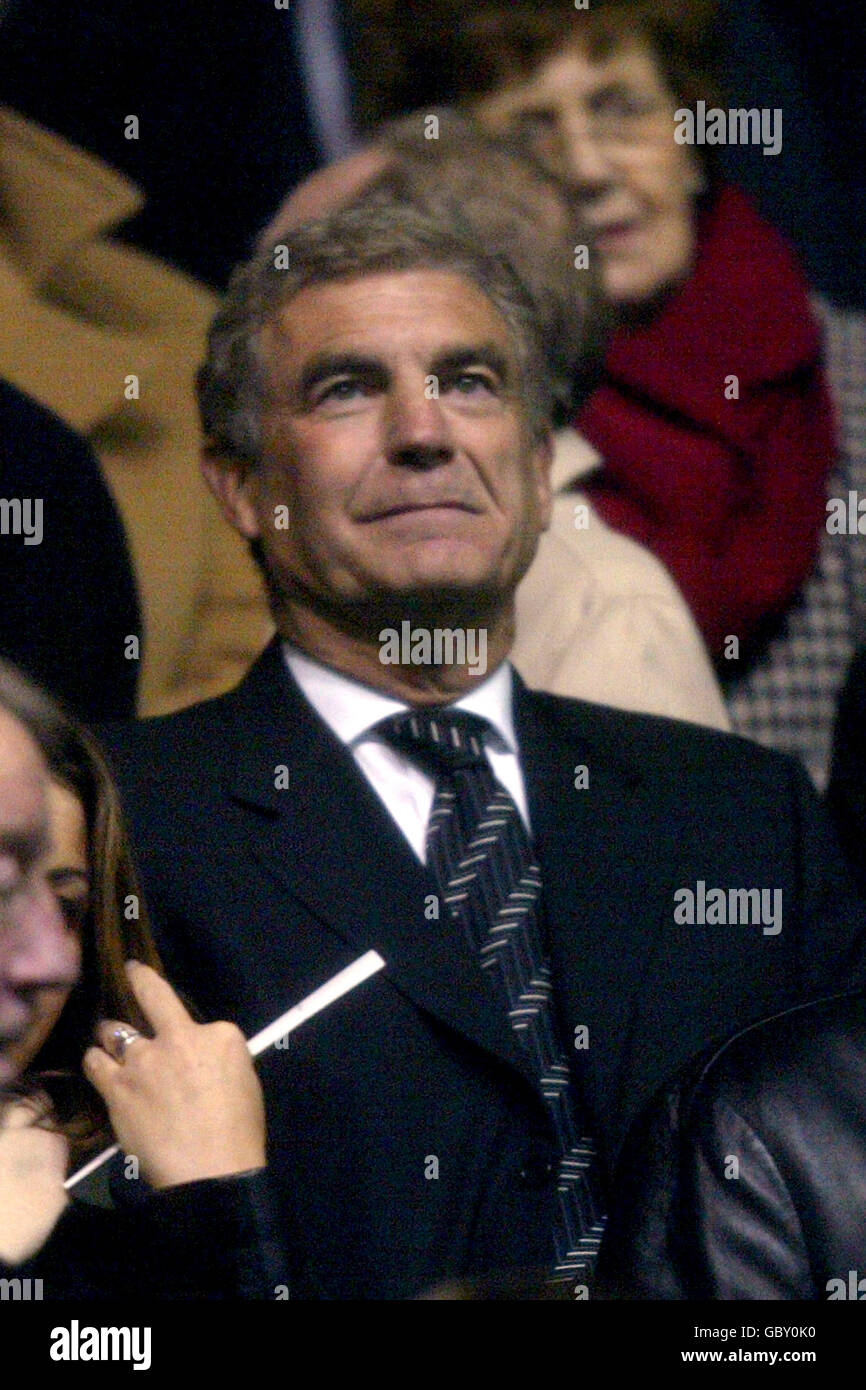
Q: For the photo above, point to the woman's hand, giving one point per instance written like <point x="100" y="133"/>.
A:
<point x="33" y="1165"/>
<point x="186" y="1102"/>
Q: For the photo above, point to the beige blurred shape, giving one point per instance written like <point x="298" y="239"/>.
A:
<point x="80" y="313"/>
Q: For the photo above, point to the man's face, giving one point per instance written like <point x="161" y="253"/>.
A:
<point x="607" y="128"/>
<point x="36" y="950"/>
<point x="395" y="435"/>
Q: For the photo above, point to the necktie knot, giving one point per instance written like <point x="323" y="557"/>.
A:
<point x="446" y="740"/>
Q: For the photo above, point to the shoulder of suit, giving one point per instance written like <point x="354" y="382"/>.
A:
<point x="679" y="754"/>
<point x="169" y="744"/>
<point x="659" y="742"/>
<point x="658" y="738"/>
<point x="43" y="446"/>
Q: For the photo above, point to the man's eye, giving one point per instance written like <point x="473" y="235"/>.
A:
<point x="344" y="390"/>
<point x="470" y="383"/>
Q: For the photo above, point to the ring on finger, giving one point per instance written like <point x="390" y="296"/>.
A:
<point x="123" y="1037"/>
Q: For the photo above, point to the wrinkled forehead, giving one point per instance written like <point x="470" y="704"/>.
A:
<point x="422" y="311"/>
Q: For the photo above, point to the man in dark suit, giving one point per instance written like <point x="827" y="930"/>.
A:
<point x="377" y="414"/>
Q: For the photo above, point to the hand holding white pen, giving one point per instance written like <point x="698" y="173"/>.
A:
<point x="187" y="1102"/>
<point x="235" y="1147"/>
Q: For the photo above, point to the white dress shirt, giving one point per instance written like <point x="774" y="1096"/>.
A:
<point x="351" y="710"/>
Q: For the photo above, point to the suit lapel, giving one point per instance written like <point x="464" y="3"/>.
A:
<point x="328" y="840"/>
<point x="605" y="895"/>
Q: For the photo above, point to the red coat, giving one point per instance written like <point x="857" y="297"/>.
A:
<point x="730" y="494"/>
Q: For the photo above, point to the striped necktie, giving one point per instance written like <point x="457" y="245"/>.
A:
<point x="482" y="859"/>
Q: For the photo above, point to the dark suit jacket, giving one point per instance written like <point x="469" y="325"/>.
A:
<point x="261" y="893"/>
<point x="747" y="1179"/>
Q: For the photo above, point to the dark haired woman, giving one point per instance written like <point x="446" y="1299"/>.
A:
<point x="193" y="1215"/>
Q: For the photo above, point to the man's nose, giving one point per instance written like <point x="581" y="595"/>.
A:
<point x="418" y="431"/>
<point x="37" y="947"/>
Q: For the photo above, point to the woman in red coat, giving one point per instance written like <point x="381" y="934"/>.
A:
<point x="712" y="414"/>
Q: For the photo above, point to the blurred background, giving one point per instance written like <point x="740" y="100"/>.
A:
<point x="238" y="99"/>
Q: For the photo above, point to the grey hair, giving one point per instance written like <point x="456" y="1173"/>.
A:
<point x="377" y="234"/>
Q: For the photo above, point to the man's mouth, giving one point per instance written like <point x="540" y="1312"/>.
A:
<point x="412" y="508"/>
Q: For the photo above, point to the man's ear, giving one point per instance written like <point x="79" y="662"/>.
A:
<point x="542" y="466"/>
<point x="230" y="480"/>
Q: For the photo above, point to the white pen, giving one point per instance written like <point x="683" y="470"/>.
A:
<point x="354" y="974"/>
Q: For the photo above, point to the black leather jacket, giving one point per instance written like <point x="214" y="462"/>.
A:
<point x="747" y="1177"/>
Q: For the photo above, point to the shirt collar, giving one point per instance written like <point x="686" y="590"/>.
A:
<point x="351" y="709"/>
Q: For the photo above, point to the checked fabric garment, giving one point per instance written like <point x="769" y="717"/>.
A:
<point x="481" y="856"/>
<point x="787" y="699"/>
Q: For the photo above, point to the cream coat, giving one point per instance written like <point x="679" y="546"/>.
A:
<point x="600" y="618"/>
